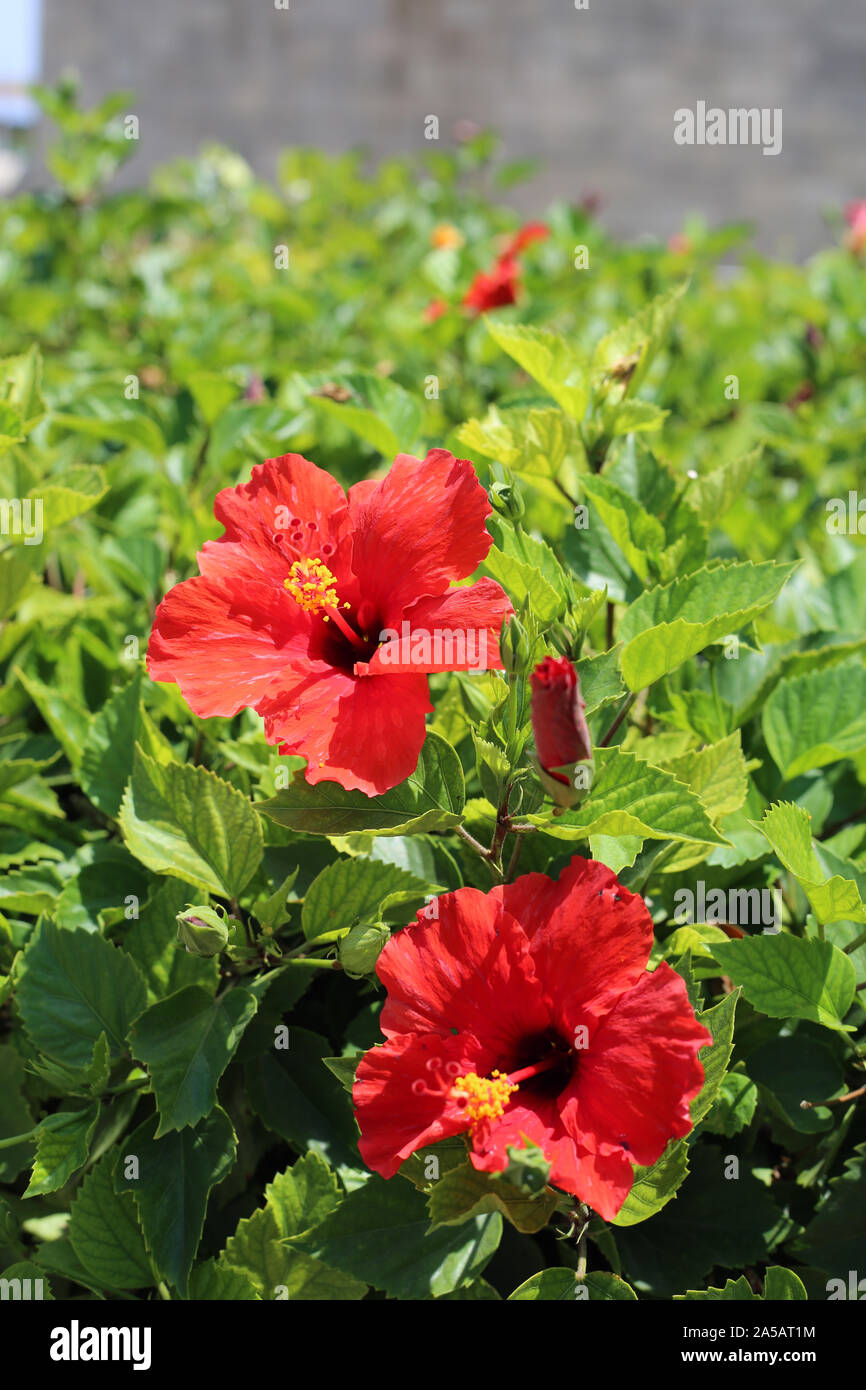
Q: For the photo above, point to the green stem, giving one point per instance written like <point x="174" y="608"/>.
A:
<point x="627" y="704"/>
<point x="471" y="840"/>
<point x="137" y="1084"/>
<point x="19" y="1139"/>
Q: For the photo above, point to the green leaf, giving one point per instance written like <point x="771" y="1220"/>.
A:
<point x="834" y="897"/>
<point x="212" y="392"/>
<point x="175" y="1176"/>
<point x="186" y="1042"/>
<point x="639" y="337"/>
<point x="714" y="1057"/>
<point x="132" y="427"/>
<point x="106" y="758"/>
<point x="790" y="977"/>
<point x="389" y="419"/>
<point x="214" y="1281"/>
<point x="638" y="533"/>
<point x="295" y="1201"/>
<point x="16" y="572"/>
<point x="350" y="891"/>
<point x="522" y="581"/>
<point x="381" y="1235"/>
<point x="654" y="1187"/>
<point x="816" y="719"/>
<point x="670" y="623"/>
<point x="104" y="1231"/>
<point x="296" y="1097"/>
<point x="717" y="774"/>
<point x="184" y="821"/>
<point x="779" y="1284"/>
<point x="600" y="679"/>
<point x="834" y="1239"/>
<point x="15" y="1116"/>
<point x="464" y="1192"/>
<point x="532" y="442"/>
<point x="563" y="1285"/>
<point x="715" y="1220"/>
<point x="794" y="1069"/>
<point x="714" y="493"/>
<point x="431" y="799"/>
<point x="734" y="1106"/>
<point x="631" y="797"/>
<point x="63" y="1147"/>
<point x="70" y="494"/>
<point x="631" y="416"/>
<point x="73" y="986"/>
<point x="67" y="720"/>
<point x="549" y="360"/>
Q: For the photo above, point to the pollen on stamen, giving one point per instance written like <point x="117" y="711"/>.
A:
<point x="312" y="585"/>
<point x="482" y="1098"/>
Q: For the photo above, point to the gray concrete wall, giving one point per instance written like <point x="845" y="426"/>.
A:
<point x="591" y="92"/>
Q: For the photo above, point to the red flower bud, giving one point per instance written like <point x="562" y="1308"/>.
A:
<point x="558" y="723"/>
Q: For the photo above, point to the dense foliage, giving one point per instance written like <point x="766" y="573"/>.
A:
<point x="669" y="437"/>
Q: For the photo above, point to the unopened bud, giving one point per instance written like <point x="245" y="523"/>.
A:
<point x="514" y="646"/>
<point x="562" y="741"/>
<point x="360" y="949"/>
<point x="505" y="495"/>
<point x="202" y="930"/>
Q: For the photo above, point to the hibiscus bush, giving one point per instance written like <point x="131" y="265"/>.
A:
<point x="432" y="741"/>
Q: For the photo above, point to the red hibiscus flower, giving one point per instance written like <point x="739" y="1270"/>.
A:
<point x="558" y="721"/>
<point x="434" y="310"/>
<point x="530" y="232"/>
<point x="492" y="289"/>
<point x="855" y="216"/>
<point x="325" y="612"/>
<point x="527" y="1015"/>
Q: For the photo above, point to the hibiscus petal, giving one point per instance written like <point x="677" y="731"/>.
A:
<point x="457" y="632"/>
<point x="224" y="642"/>
<point x="467" y="970"/>
<point x="420" y="528"/>
<point x="590" y="938"/>
<point x="364" y="732"/>
<point x="634" y="1084"/>
<point x="280" y="490"/>
<point x="535" y="1123"/>
<point x="401" y="1095"/>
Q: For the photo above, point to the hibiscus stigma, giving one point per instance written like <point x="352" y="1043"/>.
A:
<point x="312" y="585"/>
<point x="482" y="1098"/>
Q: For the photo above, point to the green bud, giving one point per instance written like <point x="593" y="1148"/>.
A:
<point x="527" y="1169"/>
<point x="202" y="930"/>
<point x="515" y="646"/>
<point x="505" y="495"/>
<point x="360" y="949"/>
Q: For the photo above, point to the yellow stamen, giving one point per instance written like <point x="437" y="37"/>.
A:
<point x="312" y="585"/>
<point x="485" y="1098"/>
